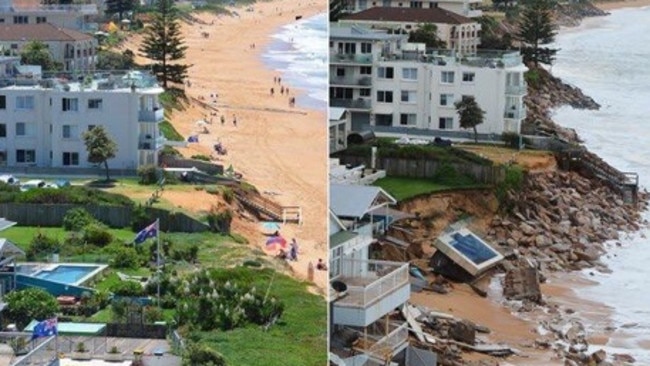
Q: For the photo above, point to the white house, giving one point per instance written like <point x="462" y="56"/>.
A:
<point x="71" y="16"/>
<point x="390" y="85"/>
<point x="459" y="33"/>
<point x="41" y="121"/>
<point x="364" y="292"/>
<point x="76" y="51"/>
<point x="468" y="8"/>
<point x="339" y="126"/>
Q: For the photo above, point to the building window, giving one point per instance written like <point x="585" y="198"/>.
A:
<point x="40" y="20"/>
<point x="446" y="100"/>
<point x="364" y="92"/>
<point x="3" y="130"/>
<point x="69" y="132"/>
<point x="366" y="47"/>
<point x="20" y="19"/>
<point x="347" y="48"/>
<point x="383" y="119"/>
<point x="446" y="123"/>
<point x="69" y="104"/>
<point x="416" y="4"/>
<point x="447" y="77"/>
<point x="385" y="96"/>
<point x="2" y="20"/>
<point x="25" y="156"/>
<point x="341" y="93"/>
<point x="94" y="104"/>
<point x="70" y="159"/>
<point x="410" y="73"/>
<point x="407" y="119"/>
<point x="25" y="102"/>
<point x="3" y="102"/>
<point x="408" y="96"/>
<point x="365" y="70"/>
<point x="468" y="77"/>
<point x="385" y="72"/>
<point x="20" y="129"/>
<point x="340" y="72"/>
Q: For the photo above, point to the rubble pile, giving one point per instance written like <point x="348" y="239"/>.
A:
<point x="560" y="220"/>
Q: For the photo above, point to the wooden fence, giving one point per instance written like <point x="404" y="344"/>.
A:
<point x="30" y="214"/>
<point x="421" y="168"/>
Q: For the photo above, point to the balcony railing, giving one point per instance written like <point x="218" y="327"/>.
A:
<point x="151" y="143"/>
<point x="151" y="116"/>
<point x="351" y="103"/>
<point x="515" y="114"/>
<point x="370" y="280"/>
<point x="516" y="89"/>
<point x="349" y="58"/>
<point x="382" y="345"/>
<point x="350" y="81"/>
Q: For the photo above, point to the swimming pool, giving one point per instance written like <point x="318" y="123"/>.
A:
<point x="66" y="274"/>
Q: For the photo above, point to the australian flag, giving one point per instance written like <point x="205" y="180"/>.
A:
<point x="149" y="232"/>
<point x="46" y="328"/>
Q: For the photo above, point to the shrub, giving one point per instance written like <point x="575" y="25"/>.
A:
<point x="201" y="157"/>
<point x="127" y="288"/>
<point x="202" y="355"/>
<point x="139" y="219"/>
<point x="81" y="347"/>
<point x="114" y="350"/>
<point x="148" y="174"/>
<point x="97" y="234"/>
<point x="513" y="181"/>
<point x="125" y="257"/>
<point x="28" y="304"/>
<point x="77" y="218"/>
<point x="220" y="221"/>
<point x="228" y="195"/>
<point x="252" y="263"/>
<point x="152" y="314"/>
<point x="42" y="244"/>
<point x="72" y="194"/>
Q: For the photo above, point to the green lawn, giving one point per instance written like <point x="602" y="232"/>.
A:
<point x="22" y="235"/>
<point x="404" y="188"/>
<point x="299" y="337"/>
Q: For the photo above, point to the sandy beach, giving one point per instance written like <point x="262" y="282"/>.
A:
<point x="279" y="149"/>
<point x="612" y="5"/>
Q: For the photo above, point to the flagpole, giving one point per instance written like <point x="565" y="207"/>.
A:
<point x="158" y="258"/>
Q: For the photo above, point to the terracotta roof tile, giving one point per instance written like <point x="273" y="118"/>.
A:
<point x="413" y="15"/>
<point x="40" y="32"/>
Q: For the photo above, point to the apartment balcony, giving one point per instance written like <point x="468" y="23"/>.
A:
<point x="149" y="116"/>
<point x="350" y="59"/>
<point x="151" y="143"/>
<point x="359" y="104"/>
<point x="517" y="114"/>
<point x="374" y="288"/>
<point x="384" y="346"/>
<point x="517" y="90"/>
<point x="473" y="13"/>
<point x="364" y="81"/>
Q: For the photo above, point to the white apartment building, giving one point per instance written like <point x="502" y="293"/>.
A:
<point x="468" y="8"/>
<point x="76" y="51"/>
<point x="72" y="16"/>
<point x="41" y="121"/>
<point x="459" y="33"/>
<point x="364" y="292"/>
<point x="339" y="127"/>
<point x="389" y="84"/>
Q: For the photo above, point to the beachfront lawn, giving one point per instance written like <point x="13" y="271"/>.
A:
<point x="298" y="338"/>
<point x="403" y="188"/>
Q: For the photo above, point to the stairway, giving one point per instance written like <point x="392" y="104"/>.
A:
<point x="260" y="205"/>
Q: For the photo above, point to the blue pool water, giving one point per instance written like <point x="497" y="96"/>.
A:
<point x="472" y="248"/>
<point x="66" y="274"/>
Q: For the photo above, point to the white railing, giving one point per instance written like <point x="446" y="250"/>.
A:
<point x="151" y="116"/>
<point x="392" y="341"/>
<point x="383" y="277"/>
<point x="516" y="89"/>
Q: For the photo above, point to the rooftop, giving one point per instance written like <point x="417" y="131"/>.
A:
<point x="346" y="31"/>
<point x="43" y="32"/>
<point x="410" y="15"/>
<point x="348" y="200"/>
<point x="78" y="82"/>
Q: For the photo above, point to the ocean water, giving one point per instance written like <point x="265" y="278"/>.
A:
<point x="609" y="59"/>
<point x="299" y="54"/>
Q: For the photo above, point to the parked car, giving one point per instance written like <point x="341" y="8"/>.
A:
<point x="31" y="184"/>
<point x="9" y="179"/>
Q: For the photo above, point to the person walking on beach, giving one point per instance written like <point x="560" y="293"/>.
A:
<point x="272" y="91"/>
<point x="275" y="80"/>
<point x="279" y="80"/>
<point x="293" y="252"/>
<point x="282" y="90"/>
<point x="223" y="119"/>
<point x="234" y="120"/>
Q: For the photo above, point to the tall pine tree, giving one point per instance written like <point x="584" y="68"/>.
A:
<point x="536" y="29"/>
<point x="163" y="45"/>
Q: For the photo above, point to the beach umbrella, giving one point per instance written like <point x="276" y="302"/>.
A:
<point x="274" y="241"/>
<point x="270" y="226"/>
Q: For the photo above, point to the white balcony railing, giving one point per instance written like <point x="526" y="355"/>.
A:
<point x="516" y="89"/>
<point x="370" y="280"/>
<point x="392" y="341"/>
<point x="151" y="116"/>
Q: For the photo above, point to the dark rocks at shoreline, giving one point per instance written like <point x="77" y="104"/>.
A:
<point x="545" y="94"/>
<point x="571" y="14"/>
<point x="559" y="221"/>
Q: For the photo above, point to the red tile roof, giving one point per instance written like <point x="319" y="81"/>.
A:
<point x="411" y="15"/>
<point x="40" y="32"/>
